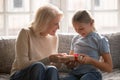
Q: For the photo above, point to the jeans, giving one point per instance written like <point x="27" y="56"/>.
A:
<point x="86" y="76"/>
<point x="36" y="71"/>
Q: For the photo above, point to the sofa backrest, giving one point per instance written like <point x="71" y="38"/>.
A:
<point x="7" y="49"/>
<point x="114" y="42"/>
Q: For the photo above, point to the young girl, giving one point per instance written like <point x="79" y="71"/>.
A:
<point x="88" y="47"/>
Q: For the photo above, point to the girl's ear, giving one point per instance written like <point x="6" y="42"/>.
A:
<point x="92" y="22"/>
<point x="92" y="25"/>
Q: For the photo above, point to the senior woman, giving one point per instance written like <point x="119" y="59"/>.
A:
<point x="35" y="43"/>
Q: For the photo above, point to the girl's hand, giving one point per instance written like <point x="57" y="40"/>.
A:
<point x="84" y="59"/>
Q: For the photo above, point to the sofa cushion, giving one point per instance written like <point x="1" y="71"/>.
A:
<point x="7" y="51"/>
<point x="115" y="75"/>
<point x="4" y="76"/>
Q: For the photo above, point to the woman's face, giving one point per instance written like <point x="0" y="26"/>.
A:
<point x="83" y="28"/>
<point x="53" y="26"/>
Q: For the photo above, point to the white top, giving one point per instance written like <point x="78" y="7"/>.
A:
<point x="32" y="48"/>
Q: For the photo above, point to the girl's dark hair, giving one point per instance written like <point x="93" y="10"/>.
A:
<point x="82" y="16"/>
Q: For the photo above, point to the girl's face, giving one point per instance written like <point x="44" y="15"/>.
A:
<point x="83" y="28"/>
<point x="53" y="26"/>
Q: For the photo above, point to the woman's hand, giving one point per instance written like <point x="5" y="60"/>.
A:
<point x="60" y="57"/>
<point x="53" y="58"/>
<point x="63" y="58"/>
<point x="62" y="54"/>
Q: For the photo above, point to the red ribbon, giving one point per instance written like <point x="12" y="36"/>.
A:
<point x="76" y="57"/>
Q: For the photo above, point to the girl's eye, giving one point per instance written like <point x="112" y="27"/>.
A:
<point x="81" y="28"/>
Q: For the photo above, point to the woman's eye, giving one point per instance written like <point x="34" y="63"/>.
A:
<point x="56" y="23"/>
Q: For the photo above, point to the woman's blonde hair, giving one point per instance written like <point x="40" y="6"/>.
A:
<point x="43" y="17"/>
<point x="83" y="16"/>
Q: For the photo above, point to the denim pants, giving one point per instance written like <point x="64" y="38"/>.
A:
<point x="36" y="71"/>
<point x="86" y="76"/>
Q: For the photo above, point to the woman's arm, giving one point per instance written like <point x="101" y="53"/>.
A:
<point x="58" y="57"/>
<point x="22" y="50"/>
<point x="71" y="52"/>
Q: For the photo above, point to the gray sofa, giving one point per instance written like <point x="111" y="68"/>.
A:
<point x="7" y="51"/>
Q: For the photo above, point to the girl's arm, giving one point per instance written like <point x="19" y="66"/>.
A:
<point x="104" y="65"/>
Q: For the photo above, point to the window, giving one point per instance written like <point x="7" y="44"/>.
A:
<point x="15" y="14"/>
<point x="18" y="3"/>
<point x="106" y="14"/>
